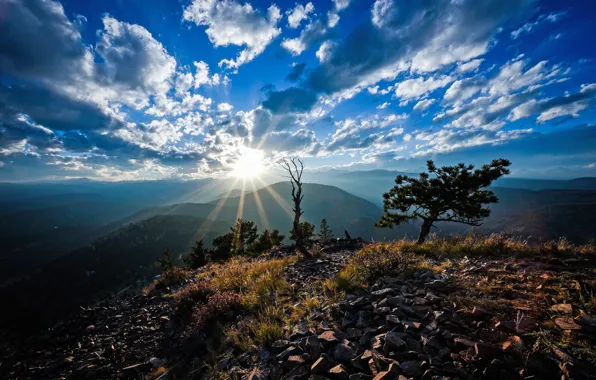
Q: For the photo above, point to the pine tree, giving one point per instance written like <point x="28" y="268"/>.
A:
<point x="307" y="231"/>
<point x="448" y="194"/>
<point x="324" y="231"/>
<point x="165" y="261"/>
<point x="267" y="240"/>
<point x="245" y="233"/>
<point x="197" y="256"/>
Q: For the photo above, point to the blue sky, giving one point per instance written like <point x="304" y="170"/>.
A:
<point x="131" y="89"/>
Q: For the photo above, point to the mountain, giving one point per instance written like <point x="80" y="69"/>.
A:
<point x="117" y="260"/>
<point x="42" y="221"/>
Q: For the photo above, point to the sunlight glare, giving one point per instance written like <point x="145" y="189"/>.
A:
<point x="249" y="164"/>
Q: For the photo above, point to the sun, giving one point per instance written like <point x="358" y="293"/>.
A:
<point x="249" y="164"/>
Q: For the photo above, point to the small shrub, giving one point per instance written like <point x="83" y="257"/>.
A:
<point x="172" y="277"/>
<point x="216" y="307"/>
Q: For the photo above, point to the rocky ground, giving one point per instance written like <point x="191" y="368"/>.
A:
<point x="480" y="318"/>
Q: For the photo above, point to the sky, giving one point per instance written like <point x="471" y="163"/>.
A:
<point x="153" y="89"/>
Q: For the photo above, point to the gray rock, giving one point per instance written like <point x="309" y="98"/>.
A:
<point x="343" y="352"/>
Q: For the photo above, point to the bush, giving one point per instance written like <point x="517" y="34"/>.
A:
<point x="218" y="306"/>
<point x="197" y="256"/>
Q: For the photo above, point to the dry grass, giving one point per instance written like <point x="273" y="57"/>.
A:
<point x="371" y="262"/>
<point x="174" y="276"/>
<point x="457" y="246"/>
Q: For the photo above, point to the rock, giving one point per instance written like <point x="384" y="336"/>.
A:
<point x="134" y="370"/>
<point x="564" y="308"/>
<point x="90" y="328"/>
<point x="588" y="324"/>
<point x="514" y="343"/>
<point x="256" y="375"/>
<point x="353" y="333"/>
<point x="487" y="351"/>
<point x="361" y="361"/>
<point x="297" y="373"/>
<point x="463" y="344"/>
<point x="339" y="372"/>
<point x="313" y="346"/>
<point x="392" y="373"/>
<point x="395" y="301"/>
<point x="300" y="330"/>
<point x="495" y="370"/>
<point x="538" y="363"/>
<point x="382" y="310"/>
<point x="156" y="362"/>
<point x="478" y="312"/>
<point x="383" y="292"/>
<point x="287" y="352"/>
<point x="328" y="337"/>
<point x="392" y="320"/>
<point x="343" y="352"/>
<point x="436" y="284"/>
<point x="508" y="326"/>
<point x="322" y="365"/>
<point x="279" y="346"/>
<point x="566" y="323"/>
<point x="393" y="342"/>
<point x="360" y="376"/>
<point x="294" y="361"/>
<point x="224" y="363"/>
<point x="412" y="368"/>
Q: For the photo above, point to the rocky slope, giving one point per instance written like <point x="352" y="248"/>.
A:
<point x="465" y="318"/>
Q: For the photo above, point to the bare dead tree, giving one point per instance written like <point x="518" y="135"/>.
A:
<point x="294" y="166"/>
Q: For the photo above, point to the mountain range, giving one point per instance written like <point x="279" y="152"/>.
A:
<point x="99" y="238"/>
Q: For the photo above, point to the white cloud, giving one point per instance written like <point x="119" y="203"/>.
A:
<point x="224" y="107"/>
<point x="383" y="106"/>
<point x="201" y="74"/>
<point x="332" y="19"/>
<point x="340" y="5"/>
<point x="469" y="66"/>
<point x="417" y="87"/>
<point x="183" y="83"/>
<point x="529" y="26"/>
<point x="325" y="50"/>
<point x="294" y="45"/>
<point x="164" y="106"/>
<point x="231" y="23"/>
<point x="299" y="13"/>
<point x="423" y="105"/>
<point x="133" y="59"/>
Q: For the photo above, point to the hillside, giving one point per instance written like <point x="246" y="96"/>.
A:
<point x="115" y="261"/>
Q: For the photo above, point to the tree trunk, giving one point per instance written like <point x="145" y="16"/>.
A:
<point x="424" y="230"/>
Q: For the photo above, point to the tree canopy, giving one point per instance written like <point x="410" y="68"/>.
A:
<point x="447" y="194"/>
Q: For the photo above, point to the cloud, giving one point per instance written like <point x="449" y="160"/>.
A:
<point x="325" y="51"/>
<point x="417" y="87"/>
<point x="447" y="140"/>
<point x="349" y="133"/>
<point x="231" y="23"/>
<point x="38" y="41"/>
<point x="423" y="36"/>
<point x="299" y="13"/>
<point x="165" y="106"/>
<point x="530" y="26"/>
<point x="53" y="110"/>
<point x="548" y="109"/>
<point x="290" y="100"/>
<point x="314" y="32"/>
<point x="383" y="106"/>
<point x="423" y="105"/>
<point x="472" y="65"/>
<point x="296" y="72"/>
<point x="133" y="58"/>
<point x="224" y="107"/>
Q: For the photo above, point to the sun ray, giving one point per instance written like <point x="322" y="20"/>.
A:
<point x="212" y="217"/>
<point x="282" y="202"/>
<point x="260" y="208"/>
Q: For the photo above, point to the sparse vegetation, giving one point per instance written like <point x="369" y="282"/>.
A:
<point x="324" y="230"/>
<point x="295" y="167"/>
<point x="447" y="194"/>
<point x="197" y="257"/>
